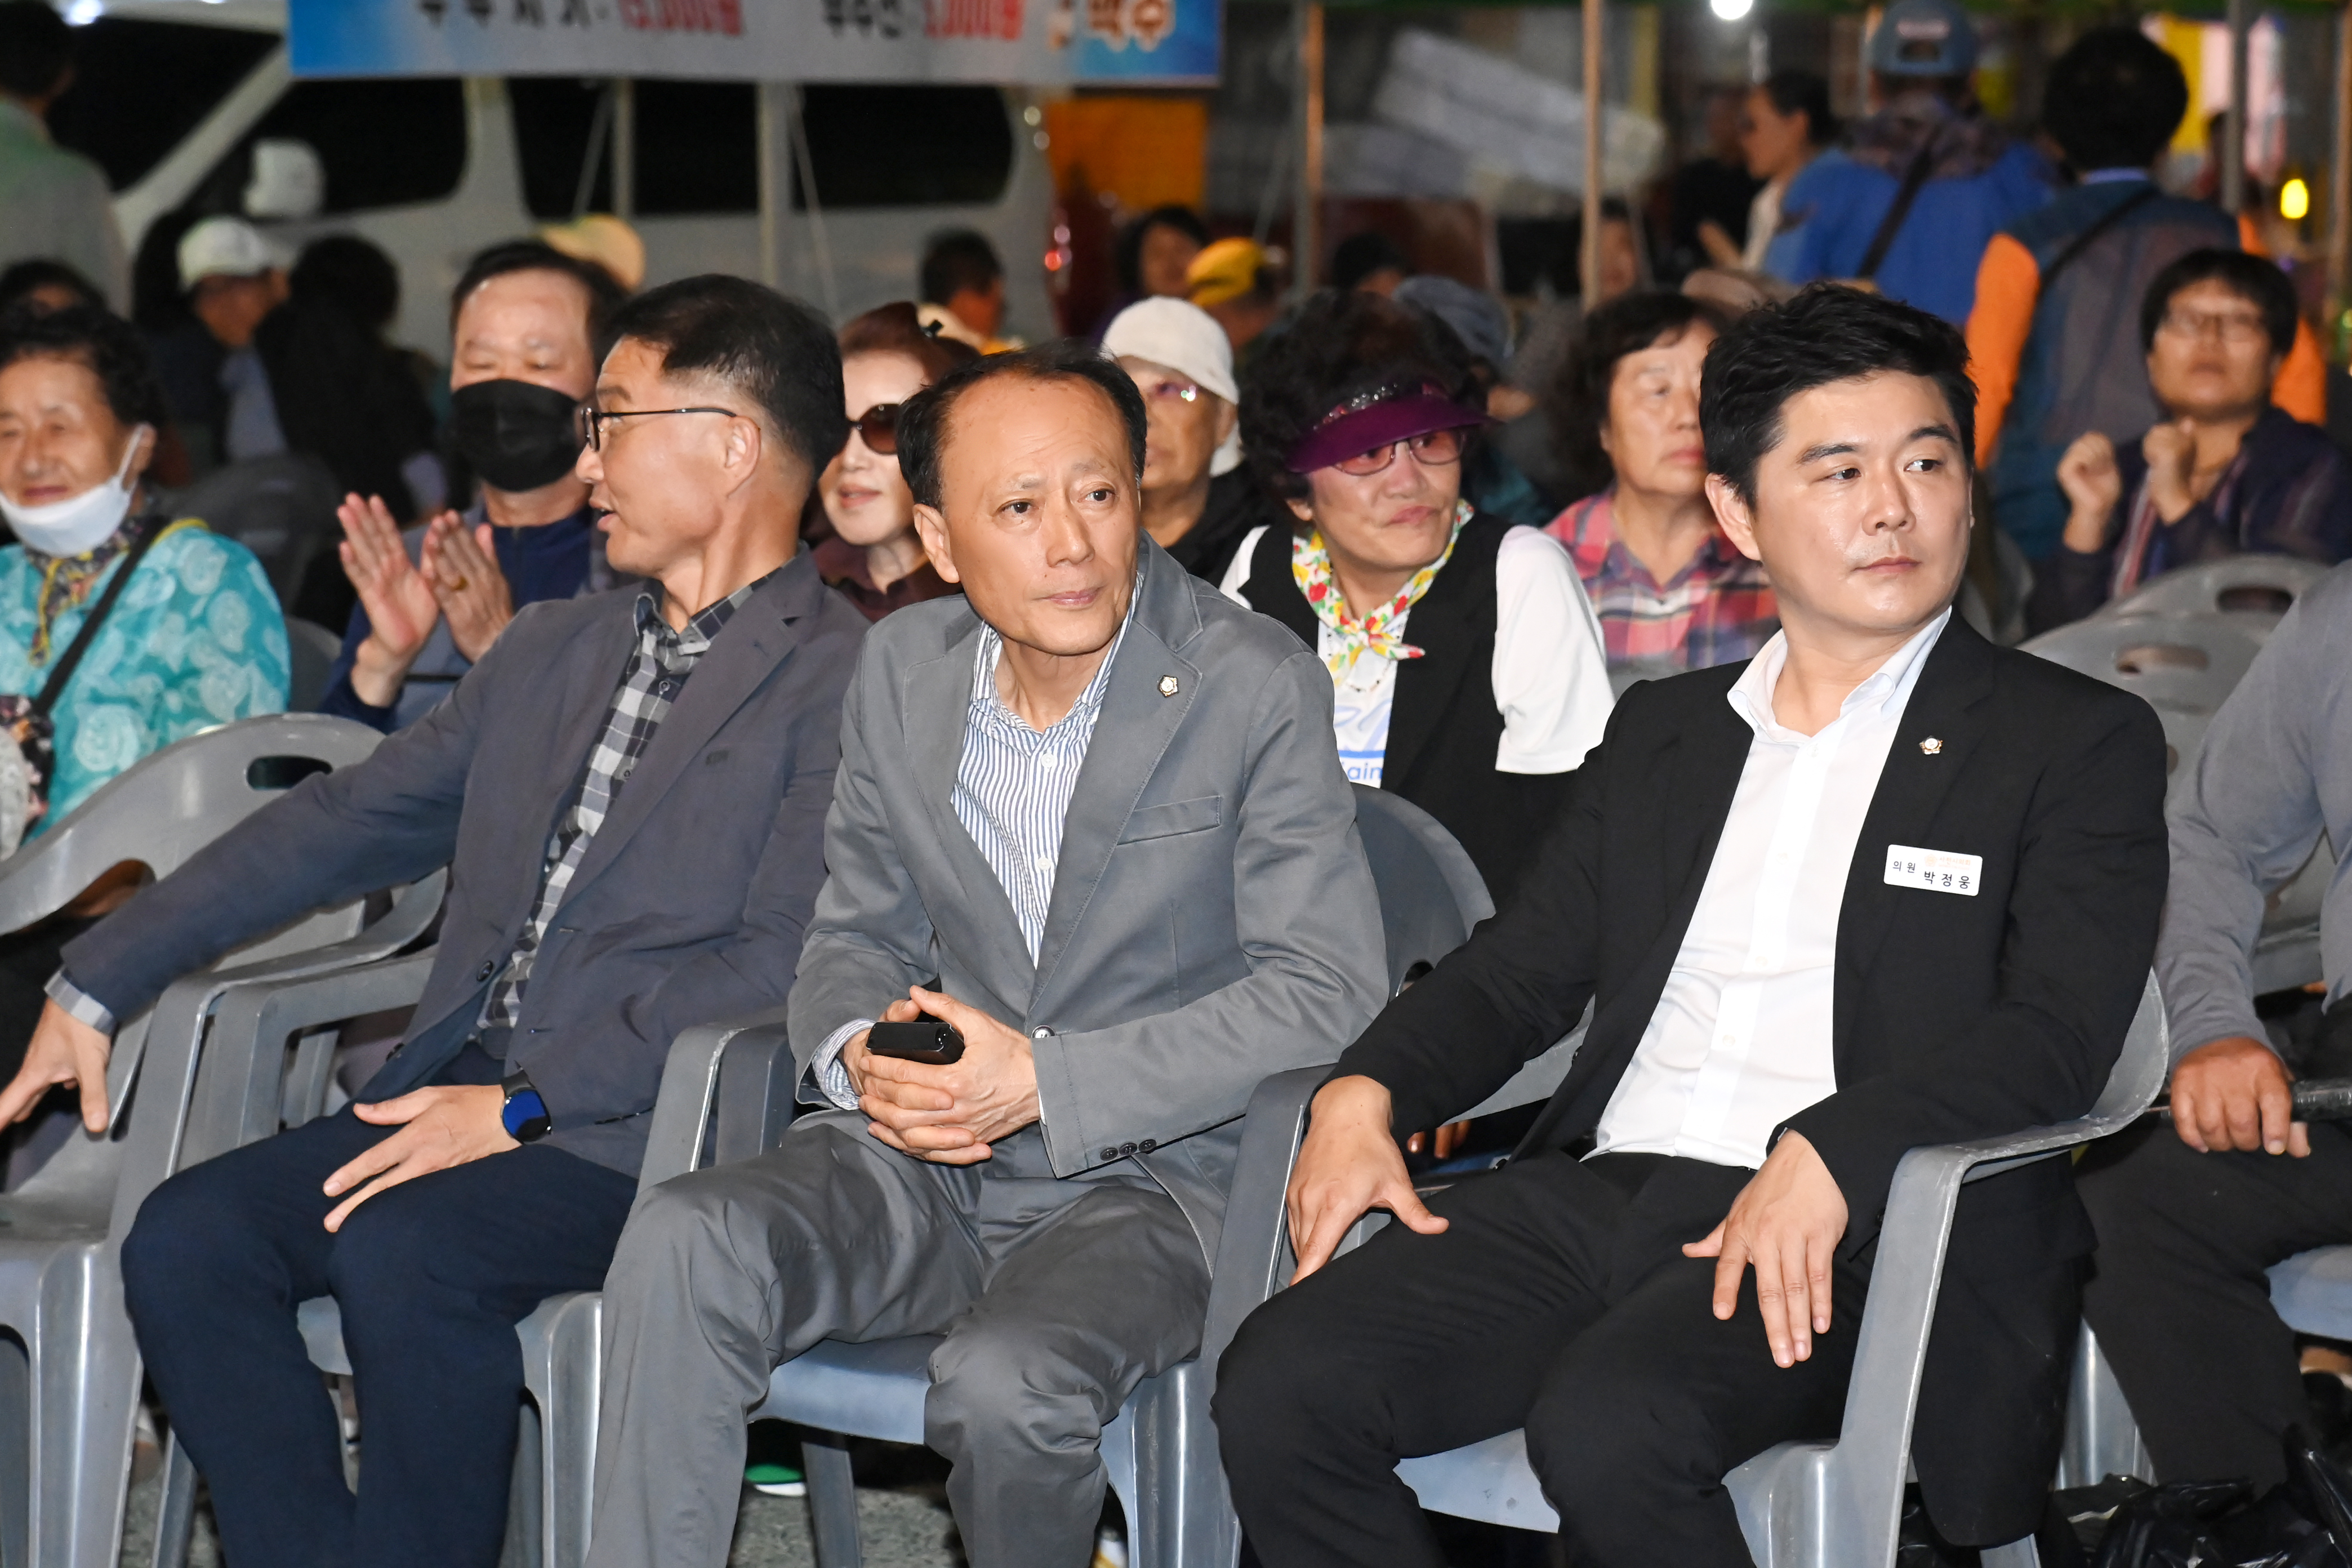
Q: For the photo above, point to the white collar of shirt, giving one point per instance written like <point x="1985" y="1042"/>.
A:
<point x="1888" y="686"/>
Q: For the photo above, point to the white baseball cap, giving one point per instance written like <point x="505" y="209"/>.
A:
<point x="225" y="247"/>
<point x="1188" y="341"/>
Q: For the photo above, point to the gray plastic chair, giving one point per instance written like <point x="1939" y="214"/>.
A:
<point x="2186" y="663"/>
<point x="69" y="1397"/>
<point x="1801" y="1504"/>
<point x="726" y="1094"/>
<point x="2261" y="588"/>
<point x="311" y="651"/>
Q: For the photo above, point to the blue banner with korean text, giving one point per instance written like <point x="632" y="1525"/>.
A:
<point x="1042" y="42"/>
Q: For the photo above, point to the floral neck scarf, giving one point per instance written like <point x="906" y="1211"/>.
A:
<point x="1310" y="568"/>
<point x="66" y="580"/>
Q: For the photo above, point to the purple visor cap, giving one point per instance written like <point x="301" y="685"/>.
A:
<point x="1383" y="424"/>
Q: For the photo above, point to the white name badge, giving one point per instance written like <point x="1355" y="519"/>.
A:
<point x="1938" y="871"/>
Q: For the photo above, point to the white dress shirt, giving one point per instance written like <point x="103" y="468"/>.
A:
<point x="1741" y="1037"/>
<point x="1549" y="672"/>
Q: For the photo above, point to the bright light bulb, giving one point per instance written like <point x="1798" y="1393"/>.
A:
<point x="2294" y="201"/>
<point x="1731" y="10"/>
<point x="82" y="13"/>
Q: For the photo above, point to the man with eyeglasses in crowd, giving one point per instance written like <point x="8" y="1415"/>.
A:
<point x="650" y="769"/>
<point x="2226" y="471"/>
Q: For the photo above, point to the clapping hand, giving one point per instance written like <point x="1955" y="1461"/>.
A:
<point x="463" y="570"/>
<point x="2171" y="453"/>
<point x="2092" y="483"/>
<point x="400" y="603"/>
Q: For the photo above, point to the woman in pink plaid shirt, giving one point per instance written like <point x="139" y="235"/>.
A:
<point x="1671" y="592"/>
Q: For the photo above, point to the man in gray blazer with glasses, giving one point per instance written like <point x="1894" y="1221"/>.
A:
<point x="1090" y="817"/>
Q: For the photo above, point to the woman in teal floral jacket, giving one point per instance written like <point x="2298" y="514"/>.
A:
<point x="194" y="639"/>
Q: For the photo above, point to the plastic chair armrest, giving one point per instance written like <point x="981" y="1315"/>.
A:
<point x="689" y="1093"/>
<point x="1871" y="1461"/>
<point x="1255" y="1248"/>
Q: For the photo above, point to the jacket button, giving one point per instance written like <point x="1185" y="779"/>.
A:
<point x="1147" y="1146"/>
<point x="488" y="968"/>
<point x="1127" y="1148"/>
<point x="1041" y="1032"/>
<point x="1110" y="1153"/>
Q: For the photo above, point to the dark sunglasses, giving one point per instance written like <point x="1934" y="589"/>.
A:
<point x="880" y="427"/>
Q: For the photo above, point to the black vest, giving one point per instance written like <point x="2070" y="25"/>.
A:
<point x="1443" y="727"/>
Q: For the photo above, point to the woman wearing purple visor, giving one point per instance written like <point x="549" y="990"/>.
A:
<point x="1466" y="665"/>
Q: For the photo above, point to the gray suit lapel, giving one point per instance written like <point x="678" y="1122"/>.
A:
<point x="937" y="700"/>
<point x="1139" y="717"/>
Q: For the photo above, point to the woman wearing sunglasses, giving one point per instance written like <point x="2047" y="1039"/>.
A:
<point x="1466" y="665"/>
<point x="874" y="557"/>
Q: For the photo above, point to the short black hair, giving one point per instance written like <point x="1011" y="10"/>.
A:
<point x="606" y="295"/>
<point x="23" y="278"/>
<point x="1578" y="399"/>
<point x="777" y="351"/>
<point x="1360" y="256"/>
<point x="110" y="346"/>
<point x="1128" y="254"/>
<point x="1804" y="93"/>
<point x="352" y="274"/>
<point x="1345" y="343"/>
<point x="2114" y="100"/>
<point x="2251" y="278"/>
<point x="923" y="422"/>
<point x="955" y="260"/>
<point x="35" y="49"/>
<point x="1828" y="333"/>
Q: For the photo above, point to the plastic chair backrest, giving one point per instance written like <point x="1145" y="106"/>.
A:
<point x="2263" y="586"/>
<point x="166" y="806"/>
<point x="311" y="651"/>
<point x="1432" y="897"/>
<point x="2187" y="662"/>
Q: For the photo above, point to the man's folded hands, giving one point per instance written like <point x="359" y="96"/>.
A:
<point x="948" y="1114"/>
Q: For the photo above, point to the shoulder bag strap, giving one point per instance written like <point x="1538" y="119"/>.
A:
<point x="62" y="671"/>
<point x="1892" y="224"/>
<point x="2089" y="236"/>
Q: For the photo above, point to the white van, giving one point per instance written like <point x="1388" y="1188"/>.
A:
<point x="170" y="96"/>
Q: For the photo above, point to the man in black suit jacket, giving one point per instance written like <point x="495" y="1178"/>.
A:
<point x="1885" y="886"/>
<point x="630" y="790"/>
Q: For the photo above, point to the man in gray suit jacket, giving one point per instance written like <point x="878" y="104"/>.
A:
<point x="629" y="790"/>
<point x="1090" y="817"/>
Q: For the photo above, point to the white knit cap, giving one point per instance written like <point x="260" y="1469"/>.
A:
<point x="1188" y="341"/>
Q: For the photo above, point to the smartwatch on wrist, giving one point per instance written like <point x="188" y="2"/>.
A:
<point x="524" y="1114"/>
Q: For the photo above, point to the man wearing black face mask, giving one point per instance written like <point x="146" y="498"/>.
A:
<point x="527" y="322"/>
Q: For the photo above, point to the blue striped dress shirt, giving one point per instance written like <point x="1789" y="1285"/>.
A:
<point x="1012" y="795"/>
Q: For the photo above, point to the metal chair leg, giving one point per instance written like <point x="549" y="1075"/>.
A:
<point x="833" y="1501"/>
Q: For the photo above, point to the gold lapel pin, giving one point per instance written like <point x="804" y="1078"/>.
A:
<point x="1930" y="746"/>
<point x="1167" y="686"/>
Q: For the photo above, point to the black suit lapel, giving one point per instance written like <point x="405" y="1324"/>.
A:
<point x="1949" y="708"/>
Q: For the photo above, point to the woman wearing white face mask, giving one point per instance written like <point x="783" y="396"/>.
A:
<point x="193" y="639"/>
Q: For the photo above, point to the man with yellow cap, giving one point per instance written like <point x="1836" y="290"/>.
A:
<point x="1233" y="280"/>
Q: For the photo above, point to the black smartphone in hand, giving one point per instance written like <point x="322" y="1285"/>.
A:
<point x="926" y="1040"/>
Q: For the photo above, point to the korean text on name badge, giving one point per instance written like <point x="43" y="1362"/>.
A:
<point x="1938" y="871"/>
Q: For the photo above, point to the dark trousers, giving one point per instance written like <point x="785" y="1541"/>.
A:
<point x="432" y="1278"/>
<point x="2178" y="1298"/>
<point x="1557" y="1300"/>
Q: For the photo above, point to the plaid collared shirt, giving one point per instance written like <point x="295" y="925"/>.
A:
<point x="1717" y="609"/>
<point x="649" y="688"/>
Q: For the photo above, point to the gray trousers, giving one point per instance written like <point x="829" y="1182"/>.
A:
<point x="1056" y="1298"/>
